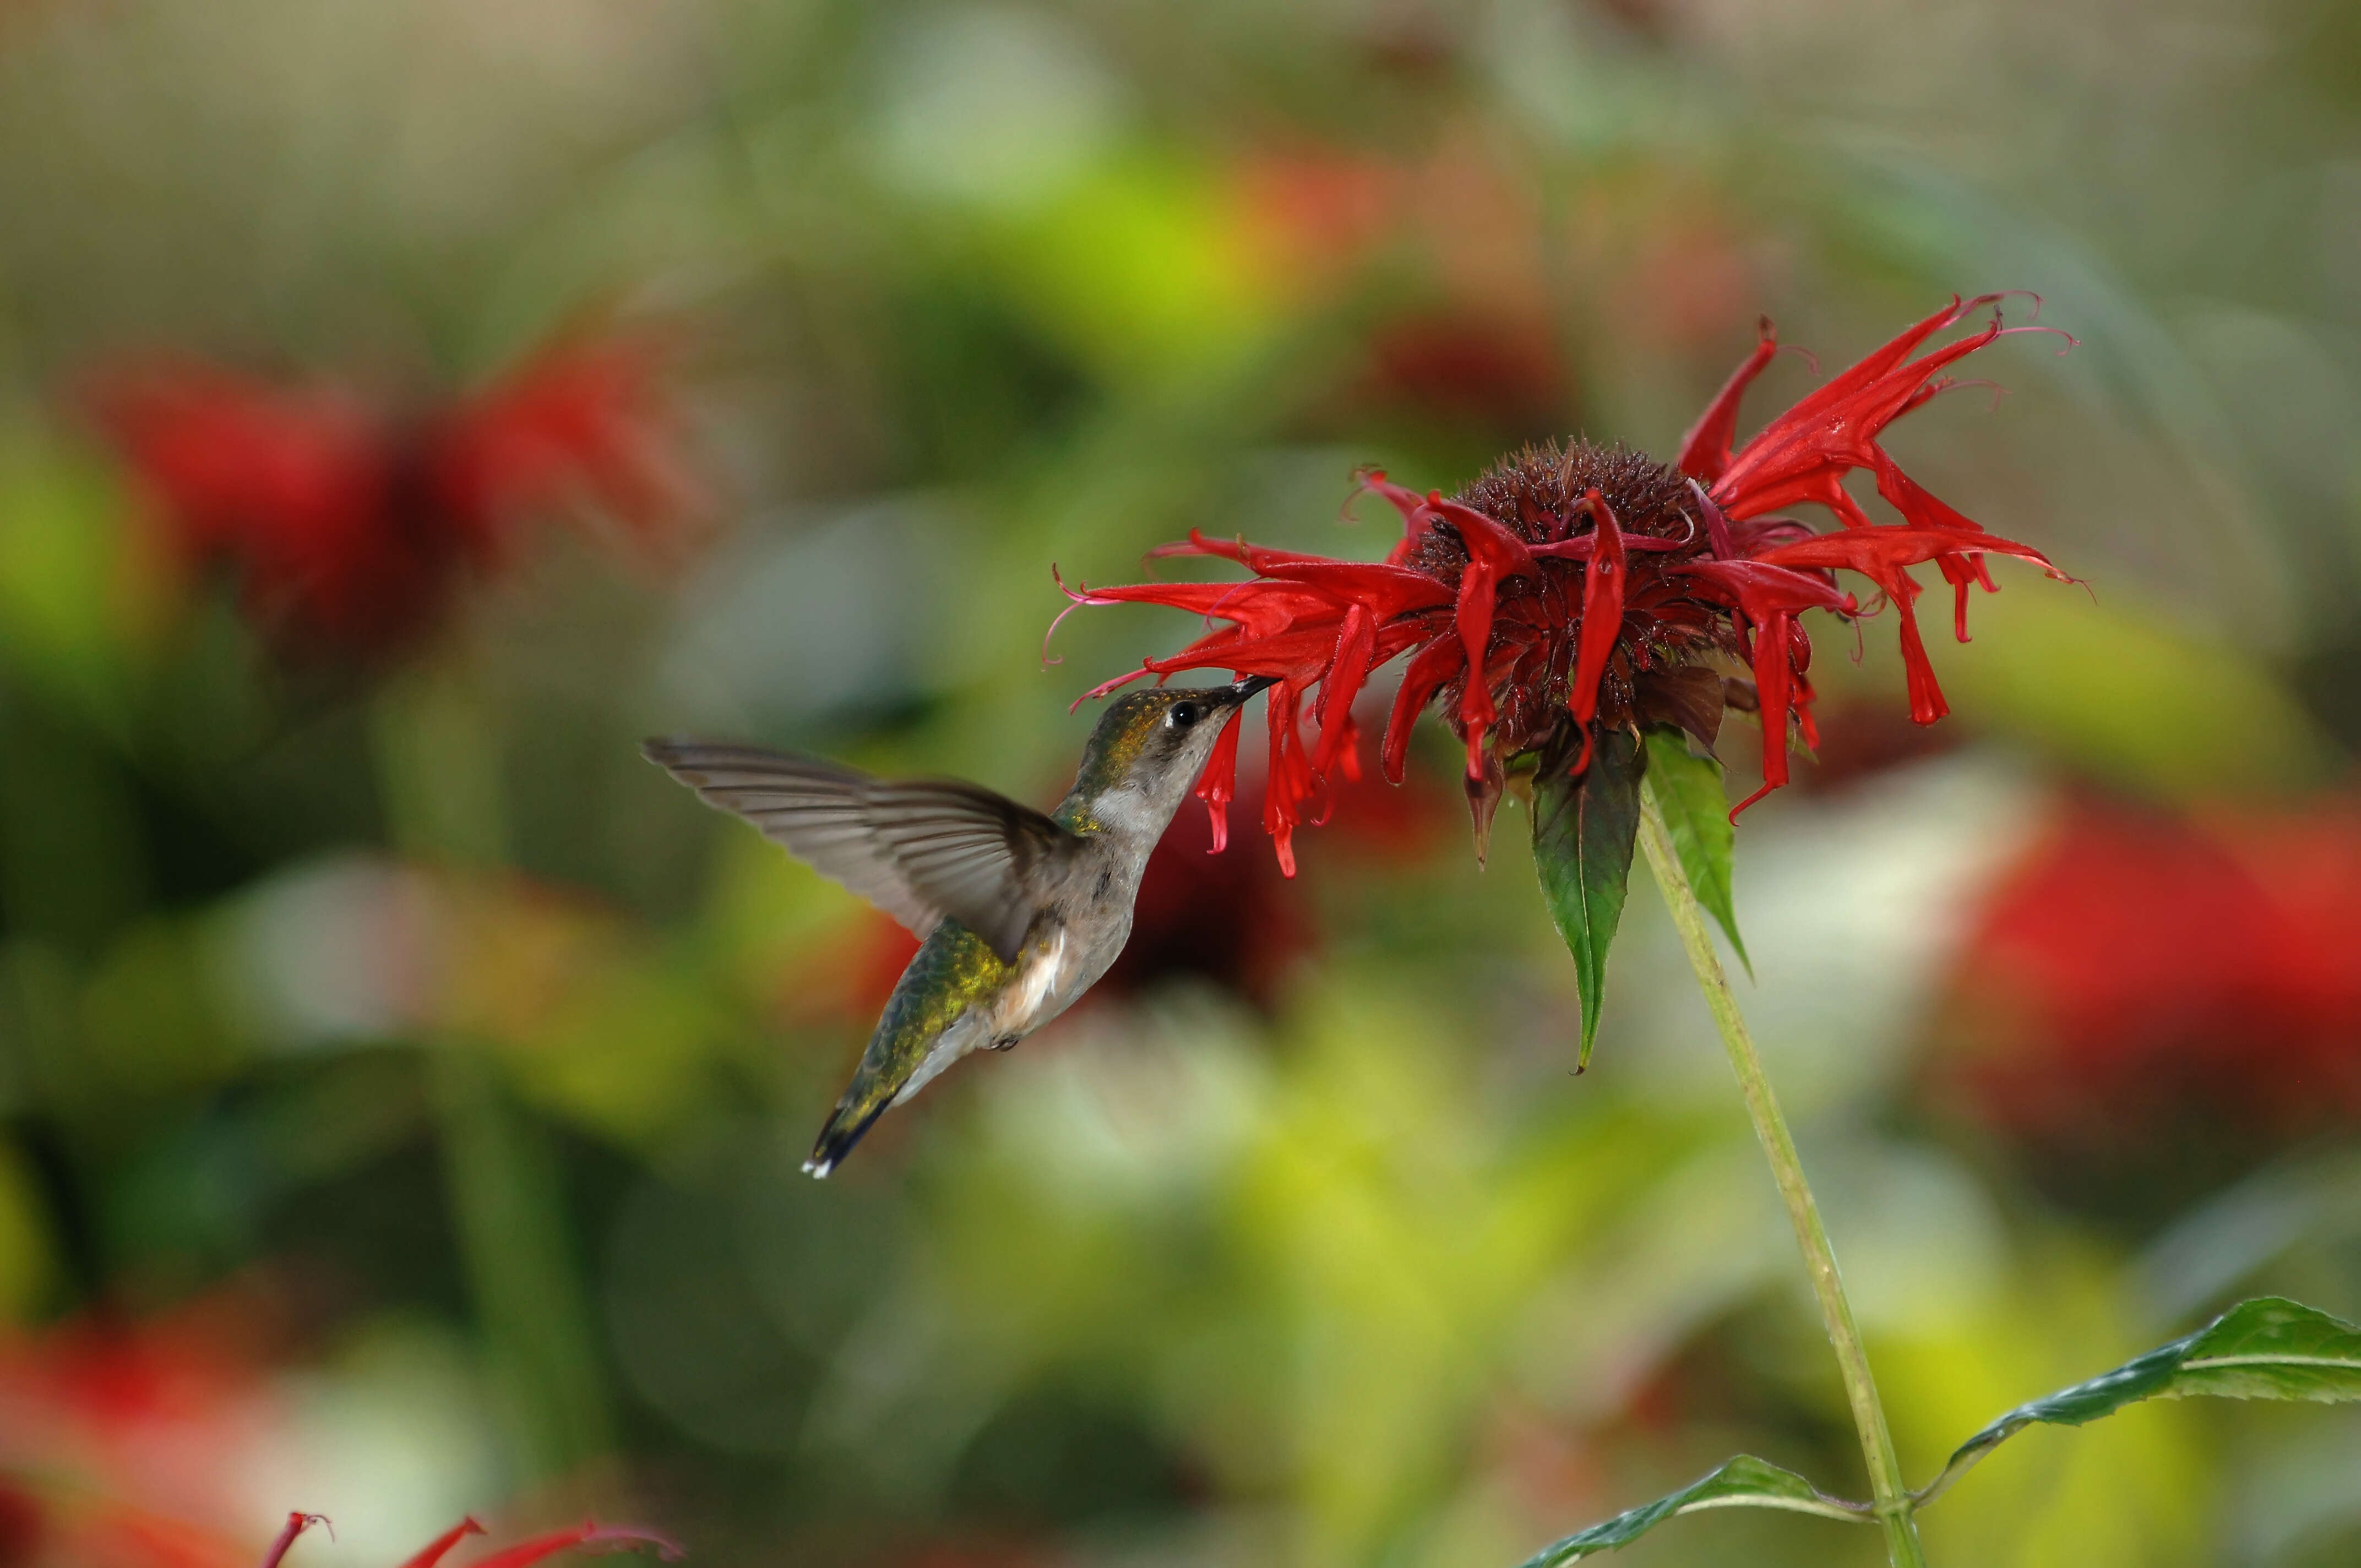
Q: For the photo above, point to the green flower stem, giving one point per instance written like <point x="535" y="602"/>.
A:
<point x="1892" y="1505"/>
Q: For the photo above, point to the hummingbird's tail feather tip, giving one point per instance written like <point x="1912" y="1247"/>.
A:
<point x="835" y="1140"/>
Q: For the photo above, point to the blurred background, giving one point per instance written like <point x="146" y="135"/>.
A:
<point x="406" y="405"/>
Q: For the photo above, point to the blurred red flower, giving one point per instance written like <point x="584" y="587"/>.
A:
<point x="350" y="526"/>
<point x="1498" y="371"/>
<point x="128" y="1445"/>
<point x="2137" y="964"/>
<point x="121" y="1444"/>
<point x="1571" y="589"/>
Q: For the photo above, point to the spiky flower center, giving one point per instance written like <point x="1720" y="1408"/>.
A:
<point x="1539" y="494"/>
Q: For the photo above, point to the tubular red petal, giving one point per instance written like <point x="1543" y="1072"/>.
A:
<point x="1962" y="572"/>
<point x="1388" y="591"/>
<point x="1259" y="557"/>
<point x="1716" y="522"/>
<point x="1113" y="684"/>
<point x="1300" y="655"/>
<point x="1584" y="546"/>
<point x="1290" y="782"/>
<point x="1348" y="670"/>
<point x="435" y="1551"/>
<point x="1761" y="588"/>
<point x="1883" y="555"/>
<point x="1803" y="454"/>
<point x="1433" y="666"/>
<point x="1348" y="756"/>
<point x="1602" y="612"/>
<point x="1474" y="620"/>
<point x="1927" y="704"/>
<point x="1416" y="514"/>
<point x="1885" y="358"/>
<point x="1494" y="554"/>
<point x="1260" y="607"/>
<point x="587" y="1533"/>
<point x="296" y="1525"/>
<point x="1705" y="450"/>
<point x="1876" y="552"/>
<point x="1919" y="507"/>
<point x="1487" y="540"/>
<point x="1773" y="683"/>
<point x="1219" y="785"/>
<point x="1960" y="582"/>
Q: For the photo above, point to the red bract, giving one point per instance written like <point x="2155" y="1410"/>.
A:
<point x="1574" y="589"/>
<point x="588" y="1534"/>
<point x="350" y="526"/>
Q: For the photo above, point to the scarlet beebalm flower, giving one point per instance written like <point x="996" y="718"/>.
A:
<point x="2141" y="979"/>
<point x="351" y="525"/>
<point x="587" y="1535"/>
<point x="1572" y="590"/>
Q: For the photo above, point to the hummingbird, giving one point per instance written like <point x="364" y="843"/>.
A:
<point x="1017" y="913"/>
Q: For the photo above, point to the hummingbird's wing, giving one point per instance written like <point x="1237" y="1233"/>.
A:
<point x="918" y="849"/>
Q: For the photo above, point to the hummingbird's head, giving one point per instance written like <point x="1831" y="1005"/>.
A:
<point x="1149" y="748"/>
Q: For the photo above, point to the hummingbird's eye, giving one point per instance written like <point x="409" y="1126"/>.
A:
<point x="1182" y="715"/>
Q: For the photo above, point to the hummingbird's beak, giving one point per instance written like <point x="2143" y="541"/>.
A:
<point x="1247" y="685"/>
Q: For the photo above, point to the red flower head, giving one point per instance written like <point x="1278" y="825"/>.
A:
<point x="350" y="527"/>
<point x="1569" y="592"/>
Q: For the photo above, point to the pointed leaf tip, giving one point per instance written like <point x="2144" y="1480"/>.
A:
<point x="1697" y="812"/>
<point x="2269" y="1348"/>
<point x="1744" y="1482"/>
<point x="1584" y="831"/>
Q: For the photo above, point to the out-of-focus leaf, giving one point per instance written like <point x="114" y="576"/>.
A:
<point x="1584" y="830"/>
<point x="1136" y="269"/>
<point x="2269" y="1348"/>
<point x="28" y="1254"/>
<point x="1744" y="1482"/>
<point x="77" y="599"/>
<point x="1697" y="812"/>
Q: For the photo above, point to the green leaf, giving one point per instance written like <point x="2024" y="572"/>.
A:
<point x="2269" y="1348"/>
<point x="1744" y="1482"/>
<point x="1584" y="829"/>
<point x="1696" y="811"/>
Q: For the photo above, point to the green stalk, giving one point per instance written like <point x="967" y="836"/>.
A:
<point x="1892" y="1498"/>
<point x="437" y="759"/>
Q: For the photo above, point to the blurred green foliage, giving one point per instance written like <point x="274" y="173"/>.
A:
<point x="396" y="1011"/>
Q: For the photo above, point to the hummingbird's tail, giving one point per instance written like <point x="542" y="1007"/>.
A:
<point x="846" y="1124"/>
